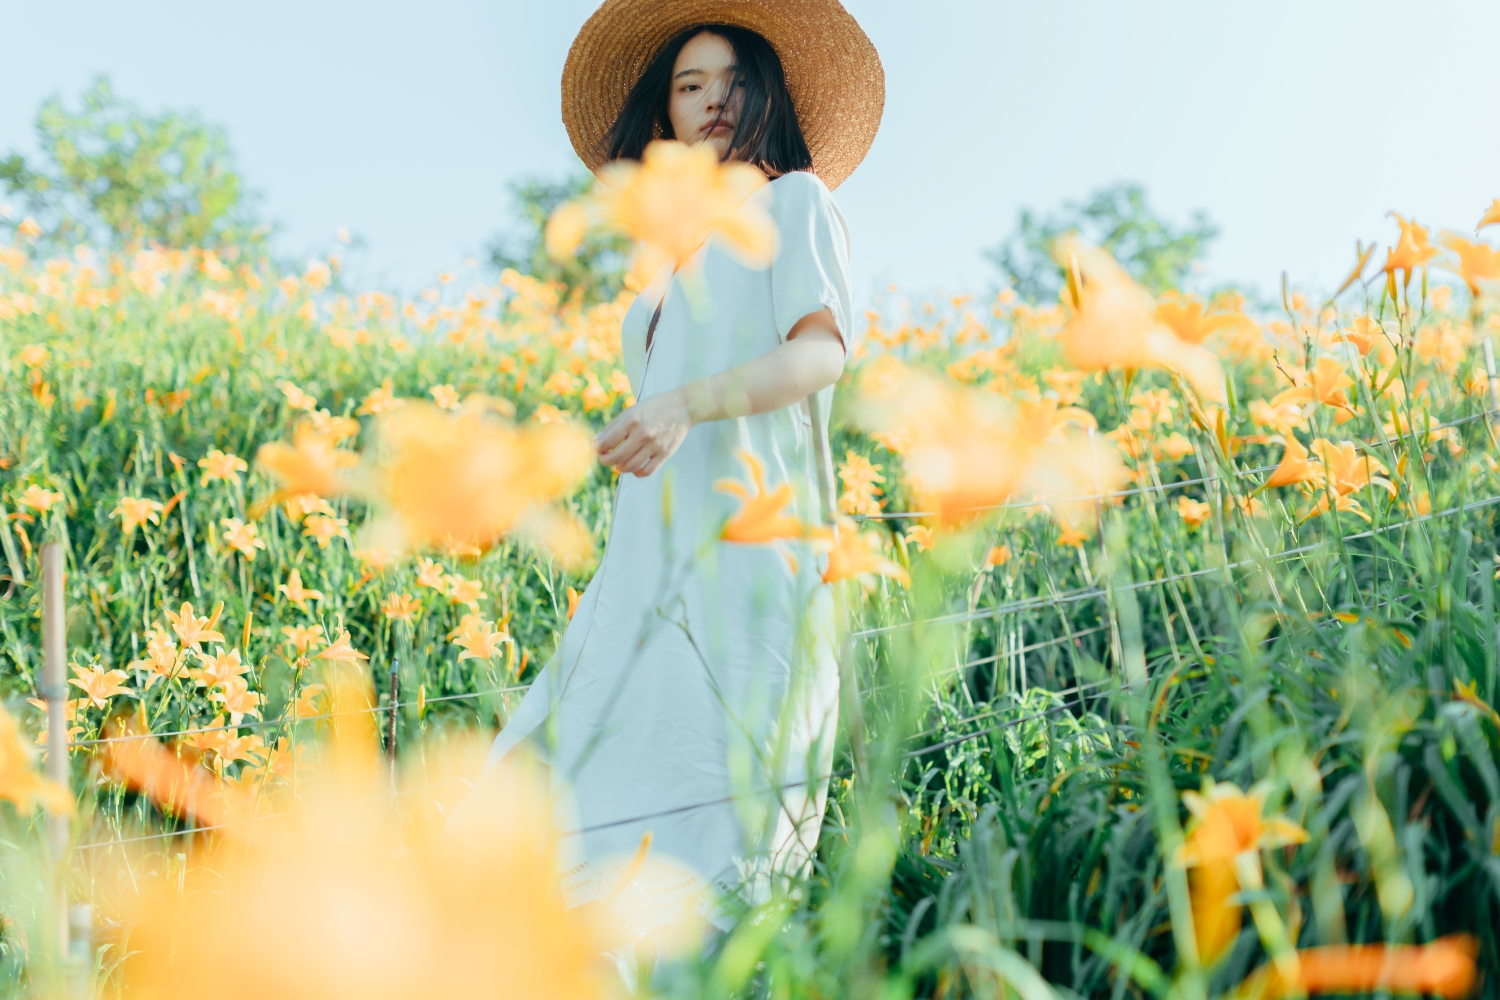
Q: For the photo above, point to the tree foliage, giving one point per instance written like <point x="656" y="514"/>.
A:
<point x="596" y="272"/>
<point x="112" y="174"/>
<point x="1117" y="218"/>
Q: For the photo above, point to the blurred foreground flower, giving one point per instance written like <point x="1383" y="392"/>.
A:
<point x="1116" y="324"/>
<point x="1444" y="968"/>
<point x="855" y="555"/>
<point x="19" y="781"/>
<point x="471" y="478"/>
<point x="672" y="201"/>
<point x="1222" y="849"/>
<point x="965" y="450"/>
<point x="358" y="893"/>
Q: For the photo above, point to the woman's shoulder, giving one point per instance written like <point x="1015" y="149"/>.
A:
<point x="800" y="186"/>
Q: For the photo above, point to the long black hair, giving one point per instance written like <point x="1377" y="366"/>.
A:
<point x="766" y="132"/>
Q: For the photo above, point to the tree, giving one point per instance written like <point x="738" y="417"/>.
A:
<point x="598" y="269"/>
<point x="114" y="175"/>
<point x="1116" y="218"/>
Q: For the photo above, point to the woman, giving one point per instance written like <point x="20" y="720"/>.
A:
<point x="693" y="695"/>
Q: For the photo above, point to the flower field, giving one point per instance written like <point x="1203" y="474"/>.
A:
<point x="1170" y="667"/>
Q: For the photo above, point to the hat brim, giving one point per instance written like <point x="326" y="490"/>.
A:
<point x="833" y="72"/>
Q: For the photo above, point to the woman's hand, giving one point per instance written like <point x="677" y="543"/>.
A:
<point x="639" y="440"/>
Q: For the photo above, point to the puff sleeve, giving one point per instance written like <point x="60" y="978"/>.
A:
<point x="811" y="269"/>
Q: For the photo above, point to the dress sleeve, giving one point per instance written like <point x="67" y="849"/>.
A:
<point x="811" y="269"/>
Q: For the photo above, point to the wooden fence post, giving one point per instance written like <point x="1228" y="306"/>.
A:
<point x="393" y="705"/>
<point x="55" y="692"/>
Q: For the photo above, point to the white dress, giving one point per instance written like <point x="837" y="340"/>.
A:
<point x="694" y="693"/>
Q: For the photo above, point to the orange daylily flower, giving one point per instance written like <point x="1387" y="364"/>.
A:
<point x="673" y="200"/>
<point x="219" y="669"/>
<point x="39" y="498"/>
<point x="242" y="537"/>
<point x="856" y="556"/>
<point x="160" y="658"/>
<point x="761" y="517"/>
<point x="469" y="479"/>
<point x="1325" y="383"/>
<point x="1072" y="536"/>
<point x="1294" y="467"/>
<point x="134" y="512"/>
<point x="998" y="555"/>
<point x="237" y="699"/>
<point x="400" y="607"/>
<point x="1114" y="323"/>
<point x="1413" y="250"/>
<point x="921" y="536"/>
<point x="192" y="630"/>
<point x="1491" y="217"/>
<point x="380" y="400"/>
<point x="295" y="592"/>
<point x="309" y="702"/>
<point x="323" y="529"/>
<point x="1476" y="261"/>
<point x="1221" y="849"/>
<point x="465" y="591"/>
<point x="478" y="638"/>
<point x="310" y="464"/>
<point x="1185" y="316"/>
<point x="302" y="636"/>
<point x="1194" y="512"/>
<point x="221" y="466"/>
<point x="98" y="684"/>
<point x="573" y="598"/>
<point x="20" y="783"/>
<point x="341" y="650"/>
<point x="1445" y="968"/>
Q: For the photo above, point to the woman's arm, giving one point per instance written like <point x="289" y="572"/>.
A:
<point x="643" y="437"/>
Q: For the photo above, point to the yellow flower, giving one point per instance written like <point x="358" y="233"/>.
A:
<point x="464" y="591"/>
<point x="1184" y="315"/>
<point x="1445" y="968"/>
<point x="1294" y="467"/>
<point x="856" y="556"/>
<point x="381" y="400"/>
<point x="1413" y="250"/>
<point x="921" y="536"/>
<point x="369" y="900"/>
<point x="674" y="200"/>
<point x="400" y="607"/>
<point x="1476" y="261"/>
<point x="98" y="684"/>
<point x="469" y="479"/>
<point x="40" y="499"/>
<point x="1194" y="512"/>
<point x="1491" y="217"/>
<point x="243" y="538"/>
<point x="341" y="650"/>
<point x="761" y="517"/>
<point x="221" y="465"/>
<point x="192" y="630"/>
<point x="325" y="529"/>
<point x="998" y="555"/>
<point x="33" y="355"/>
<point x="134" y="512"/>
<point x="160" y="658"/>
<point x="218" y="668"/>
<point x="1114" y="323"/>
<point x="445" y="396"/>
<point x="19" y="782"/>
<point x="296" y="399"/>
<point x="295" y="592"/>
<point x="237" y="699"/>
<point x="1226" y="826"/>
<point x="860" y="476"/>
<point x="309" y="702"/>
<point x="478" y="638"/>
<point x="310" y="464"/>
<point x="1324" y="383"/>
<point x="302" y="636"/>
<point x="430" y="574"/>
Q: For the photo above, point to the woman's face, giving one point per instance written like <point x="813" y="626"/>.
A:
<point x="706" y="98"/>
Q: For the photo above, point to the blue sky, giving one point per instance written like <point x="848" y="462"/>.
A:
<point x="1296" y="125"/>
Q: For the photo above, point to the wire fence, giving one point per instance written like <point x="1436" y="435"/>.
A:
<point x="1055" y="599"/>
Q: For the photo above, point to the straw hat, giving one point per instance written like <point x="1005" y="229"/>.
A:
<point x="832" y="70"/>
